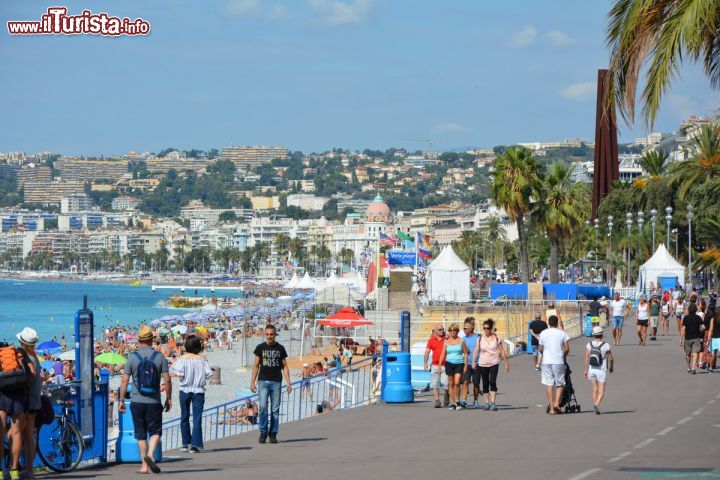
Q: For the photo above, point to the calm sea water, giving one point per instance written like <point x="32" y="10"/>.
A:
<point x="49" y="307"/>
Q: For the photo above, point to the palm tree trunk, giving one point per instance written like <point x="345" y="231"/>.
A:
<point x="554" y="247"/>
<point x="524" y="256"/>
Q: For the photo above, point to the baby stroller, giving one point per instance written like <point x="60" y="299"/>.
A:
<point x="568" y="401"/>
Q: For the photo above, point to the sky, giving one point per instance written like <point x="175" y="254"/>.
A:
<point x="316" y="74"/>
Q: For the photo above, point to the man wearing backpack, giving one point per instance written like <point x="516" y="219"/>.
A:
<point x="598" y="360"/>
<point x="146" y="366"/>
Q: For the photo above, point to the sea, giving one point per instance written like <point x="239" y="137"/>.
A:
<point x="49" y="306"/>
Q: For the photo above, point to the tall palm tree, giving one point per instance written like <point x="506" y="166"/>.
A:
<point x="658" y="33"/>
<point x="282" y="244"/>
<point x="561" y="213"/>
<point x="704" y="167"/>
<point x="297" y="249"/>
<point x="516" y="182"/>
<point x="654" y="163"/>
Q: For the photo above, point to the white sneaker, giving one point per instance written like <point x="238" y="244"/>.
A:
<point x="184" y="449"/>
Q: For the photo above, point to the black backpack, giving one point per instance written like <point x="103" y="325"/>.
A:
<point x="148" y="375"/>
<point x="596" y="356"/>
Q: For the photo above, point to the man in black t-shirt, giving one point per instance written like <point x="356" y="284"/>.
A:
<point x="535" y="327"/>
<point x="691" y="337"/>
<point x="270" y="365"/>
<point x="594" y="310"/>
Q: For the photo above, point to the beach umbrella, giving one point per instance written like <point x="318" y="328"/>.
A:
<point x="181" y="329"/>
<point x="345" y="317"/>
<point x="69" y="355"/>
<point x="163" y="330"/>
<point x="201" y="329"/>
<point x="110" y="358"/>
<point x="47" y="365"/>
<point x="47" y="346"/>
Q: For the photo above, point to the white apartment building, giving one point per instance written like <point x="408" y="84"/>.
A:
<point x="307" y="202"/>
<point x="126" y="203"/>
<point x="76" y="202"/>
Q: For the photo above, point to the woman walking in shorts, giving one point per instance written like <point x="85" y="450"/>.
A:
<point x="679" y="312"/>
<point x="455" y="356"/>
<point x="643" y="318"/>
<point x="488" y="352"/>
<point x="665" y="317"/>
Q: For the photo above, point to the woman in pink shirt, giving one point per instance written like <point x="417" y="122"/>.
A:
<point x="488" y="352"/>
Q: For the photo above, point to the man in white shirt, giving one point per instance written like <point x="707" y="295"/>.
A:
<point x="554" y="348"/>
<point x="618" y="310"/>
<point x="598" y="360"/>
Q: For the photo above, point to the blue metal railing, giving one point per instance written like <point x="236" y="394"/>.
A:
<point x="340" y="388"/>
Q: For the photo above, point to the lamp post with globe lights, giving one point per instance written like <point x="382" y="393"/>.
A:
<point x="628" y="223"/>
<point x="690" y="216"/>
<point x="668" y="219"/>
<point x="596" y="226"/>
<point x="608" y="251"/>
<point x="653" y="222"/>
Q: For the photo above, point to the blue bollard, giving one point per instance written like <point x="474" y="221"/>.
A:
<point x="588" y="325"/>
<point x="126" y="449"/>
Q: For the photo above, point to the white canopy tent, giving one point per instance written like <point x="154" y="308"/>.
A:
<point x="661" y="265"/>
<point x="293" y="283"/>
<point x="448" y="278"/>
<point x="339" y="295"/>
<point x="306" y="283"/>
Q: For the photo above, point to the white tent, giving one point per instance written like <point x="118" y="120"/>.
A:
<point x="331" y="280"/>
<point x="448" y="278"/>
<point x="293" y="283"/>
<point x="306" y="282"/>
<point x="660" y="265"/>
<point x="339" y="295"/>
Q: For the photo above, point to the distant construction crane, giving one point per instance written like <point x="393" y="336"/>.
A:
<point x="429" y="142"/>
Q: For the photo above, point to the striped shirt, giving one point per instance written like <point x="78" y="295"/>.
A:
<point x="193" y="374"/>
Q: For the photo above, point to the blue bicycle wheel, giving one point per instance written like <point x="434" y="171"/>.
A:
<point x="60" y="445"/>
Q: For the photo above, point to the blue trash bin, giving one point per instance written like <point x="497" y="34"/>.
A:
<point x="397" y="370"/>
<point x="126" y="450"/>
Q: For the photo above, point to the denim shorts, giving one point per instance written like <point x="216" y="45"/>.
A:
<point x="617" y="322"/>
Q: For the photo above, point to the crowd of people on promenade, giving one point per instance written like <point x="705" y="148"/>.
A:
<point x="461" y="361"/>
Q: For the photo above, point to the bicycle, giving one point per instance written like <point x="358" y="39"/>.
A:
<point x="61" y="445"/>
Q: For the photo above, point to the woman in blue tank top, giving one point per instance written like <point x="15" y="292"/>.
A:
<point x="455" y="354"/>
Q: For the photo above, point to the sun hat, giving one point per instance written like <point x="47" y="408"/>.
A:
<point x="145" y="333"/>
<point x="28" y="336"/>
<point x="305" y="365"/>
<point x="597" y="331"/>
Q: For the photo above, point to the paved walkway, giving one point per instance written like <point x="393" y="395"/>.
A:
<point x="656" y="419"/>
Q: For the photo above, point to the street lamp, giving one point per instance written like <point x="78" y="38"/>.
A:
<point x="609" y="246"/>
<point x="653" y="222"/>
<point x="596" y="226"/>
<point x="628" y="223"/>
<point x="677" y="249"/>
<point x="668" y="219"/>
<point x="690" y="216"/>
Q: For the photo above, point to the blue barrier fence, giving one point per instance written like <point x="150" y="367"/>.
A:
<point x="336" y="389"/>
<point x="508" y="290"/>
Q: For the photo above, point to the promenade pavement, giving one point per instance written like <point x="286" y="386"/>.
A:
<point x="657" y="422"/>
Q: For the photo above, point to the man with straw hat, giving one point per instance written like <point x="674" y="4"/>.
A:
<point x="146" y="366"/>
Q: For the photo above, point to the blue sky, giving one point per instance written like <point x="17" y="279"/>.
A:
<point x="316" y="74"/>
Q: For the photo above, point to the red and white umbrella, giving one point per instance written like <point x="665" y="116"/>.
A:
<point x="345" y="318"/>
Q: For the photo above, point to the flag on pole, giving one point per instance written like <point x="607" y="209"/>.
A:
<point x="419" y="238"/>
<point x="385" y="240"/>
<point x="404" y="236"/>
<point x="424" y="254"/>
<point x="427" y="240"/>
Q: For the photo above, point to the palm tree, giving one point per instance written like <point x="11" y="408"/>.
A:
<point x="261" y="251"/>
<point x="561" y="213"/>
<point x="282" y="244"/>
<point x="658" y="33"/>
<point x="709" y="233"/>
<point x="654" y="163"/>
<point x="704" y="167"/>
<point x="225" y="256"/>
<point x="297" y="249"/>
<point x="516" y="182"/>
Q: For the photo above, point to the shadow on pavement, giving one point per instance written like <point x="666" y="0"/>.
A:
<point x="296" y="440"/>
<point x="228" y="449"/>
